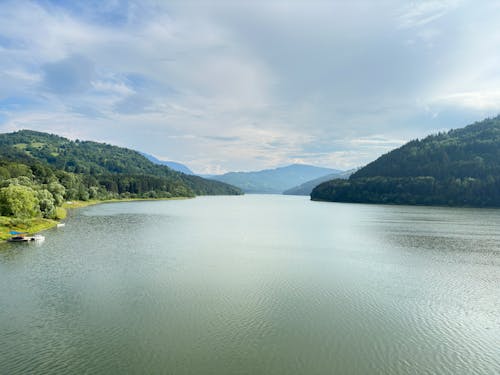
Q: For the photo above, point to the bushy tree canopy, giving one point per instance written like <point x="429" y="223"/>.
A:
<point x="19" y="201"/>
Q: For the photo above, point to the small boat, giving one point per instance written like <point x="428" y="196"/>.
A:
<point x="61" y="225"/>
<point x="19" y="239"/>
<point x="22" y="237"/>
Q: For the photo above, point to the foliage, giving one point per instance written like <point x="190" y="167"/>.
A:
<point x="54" y="169"/>
<point x="30" y="226"/>
<point x="457" y="168"/>
<point x="46" y="203"/>
<point x="19" y="201"/>
<point x="60" y="213"/>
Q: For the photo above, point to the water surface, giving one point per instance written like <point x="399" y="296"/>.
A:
<point x="255" y="285"/>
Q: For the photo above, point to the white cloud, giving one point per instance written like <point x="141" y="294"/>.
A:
<point x="19" y="74"/>
<point x="240" y="85"/>
<point x="113" y="87"/>
<point x="377" y="141"/>
<point x="421" y="13"/>
<point x="476" y="100"/>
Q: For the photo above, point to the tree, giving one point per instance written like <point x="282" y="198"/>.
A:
<point x="19" y="201"/>
<point x="57" y="191"/>
<point x="46" y="202"/>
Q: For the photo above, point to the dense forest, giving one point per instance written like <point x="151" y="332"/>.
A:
<point x="39" y="171"/>
<point x="456" y="168"/>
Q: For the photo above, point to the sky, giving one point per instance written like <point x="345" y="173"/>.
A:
<point x="246" y="85"/>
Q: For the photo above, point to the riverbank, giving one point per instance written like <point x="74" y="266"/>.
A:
<point x="35" y="225"/>
<point x="80" y="204"/>
<point x="31" y="226"/>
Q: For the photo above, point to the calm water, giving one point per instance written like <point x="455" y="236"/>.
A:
<point x="255" y="285"/>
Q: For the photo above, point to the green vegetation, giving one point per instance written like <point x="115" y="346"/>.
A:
<point x="30" y="226"/>
<point x="457" y="168"/>
<point x="81" y="204"/>
<point x="39" y="172"/>
<point x="91" y="170"/>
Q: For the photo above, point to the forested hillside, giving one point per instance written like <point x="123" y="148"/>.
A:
<point x="457" y="168"/>
<point x="39" y="171"/>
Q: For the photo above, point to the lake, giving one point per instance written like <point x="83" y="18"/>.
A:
<point x="255" y="284"/>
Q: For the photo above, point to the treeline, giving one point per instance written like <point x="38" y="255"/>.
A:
<point x="412" y="190"/>
<point x="30" y="191"/>
<point x="457" y="168"/>
<point x="39" y="171"/>
<point x="26" y="192"/>
<point x="473" y="151"/>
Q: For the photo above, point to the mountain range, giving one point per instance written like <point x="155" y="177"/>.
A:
<point x="307" y="187"/>
<point x="171" y="164"/>
<point x="274" y="181"/>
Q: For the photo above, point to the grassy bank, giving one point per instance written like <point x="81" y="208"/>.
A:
<point x="35" y="225"/>
<point x="31" y="226"/>
<point x="80" y="204"/>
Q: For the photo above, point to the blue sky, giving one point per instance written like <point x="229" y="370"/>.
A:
<point x="240" y="85"/>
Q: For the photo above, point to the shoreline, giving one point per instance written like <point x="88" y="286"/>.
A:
<point x="37" y="225"/>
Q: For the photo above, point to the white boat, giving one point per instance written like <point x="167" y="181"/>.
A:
<point x="61" y="225"/>
<point x="21" y="237"/>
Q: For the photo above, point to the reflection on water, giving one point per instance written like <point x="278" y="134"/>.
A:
<point x="255" y="285"/>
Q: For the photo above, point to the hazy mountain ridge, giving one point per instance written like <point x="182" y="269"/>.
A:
<point x="307" y="187"/>
<point x="274" y="181"/>
<point x="179" y="167"/>
<point x="456" y="168"/>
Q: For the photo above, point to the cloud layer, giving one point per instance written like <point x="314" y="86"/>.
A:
<point x="248" y="85"/>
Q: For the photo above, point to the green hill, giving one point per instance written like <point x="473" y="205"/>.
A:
<point x="457" y="168"/>
<point x="57" y="169"/>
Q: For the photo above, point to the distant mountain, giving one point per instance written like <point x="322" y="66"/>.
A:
<point x="307" y="187"/>
<point x="457" y="168"/>
<point x="171" y="164"/>
<point x="91" y="170"/>
<point x="274" y="181"/>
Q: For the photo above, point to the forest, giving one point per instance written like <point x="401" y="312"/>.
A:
<point x="40" y="171"/>
<point x="456" y="168"/>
